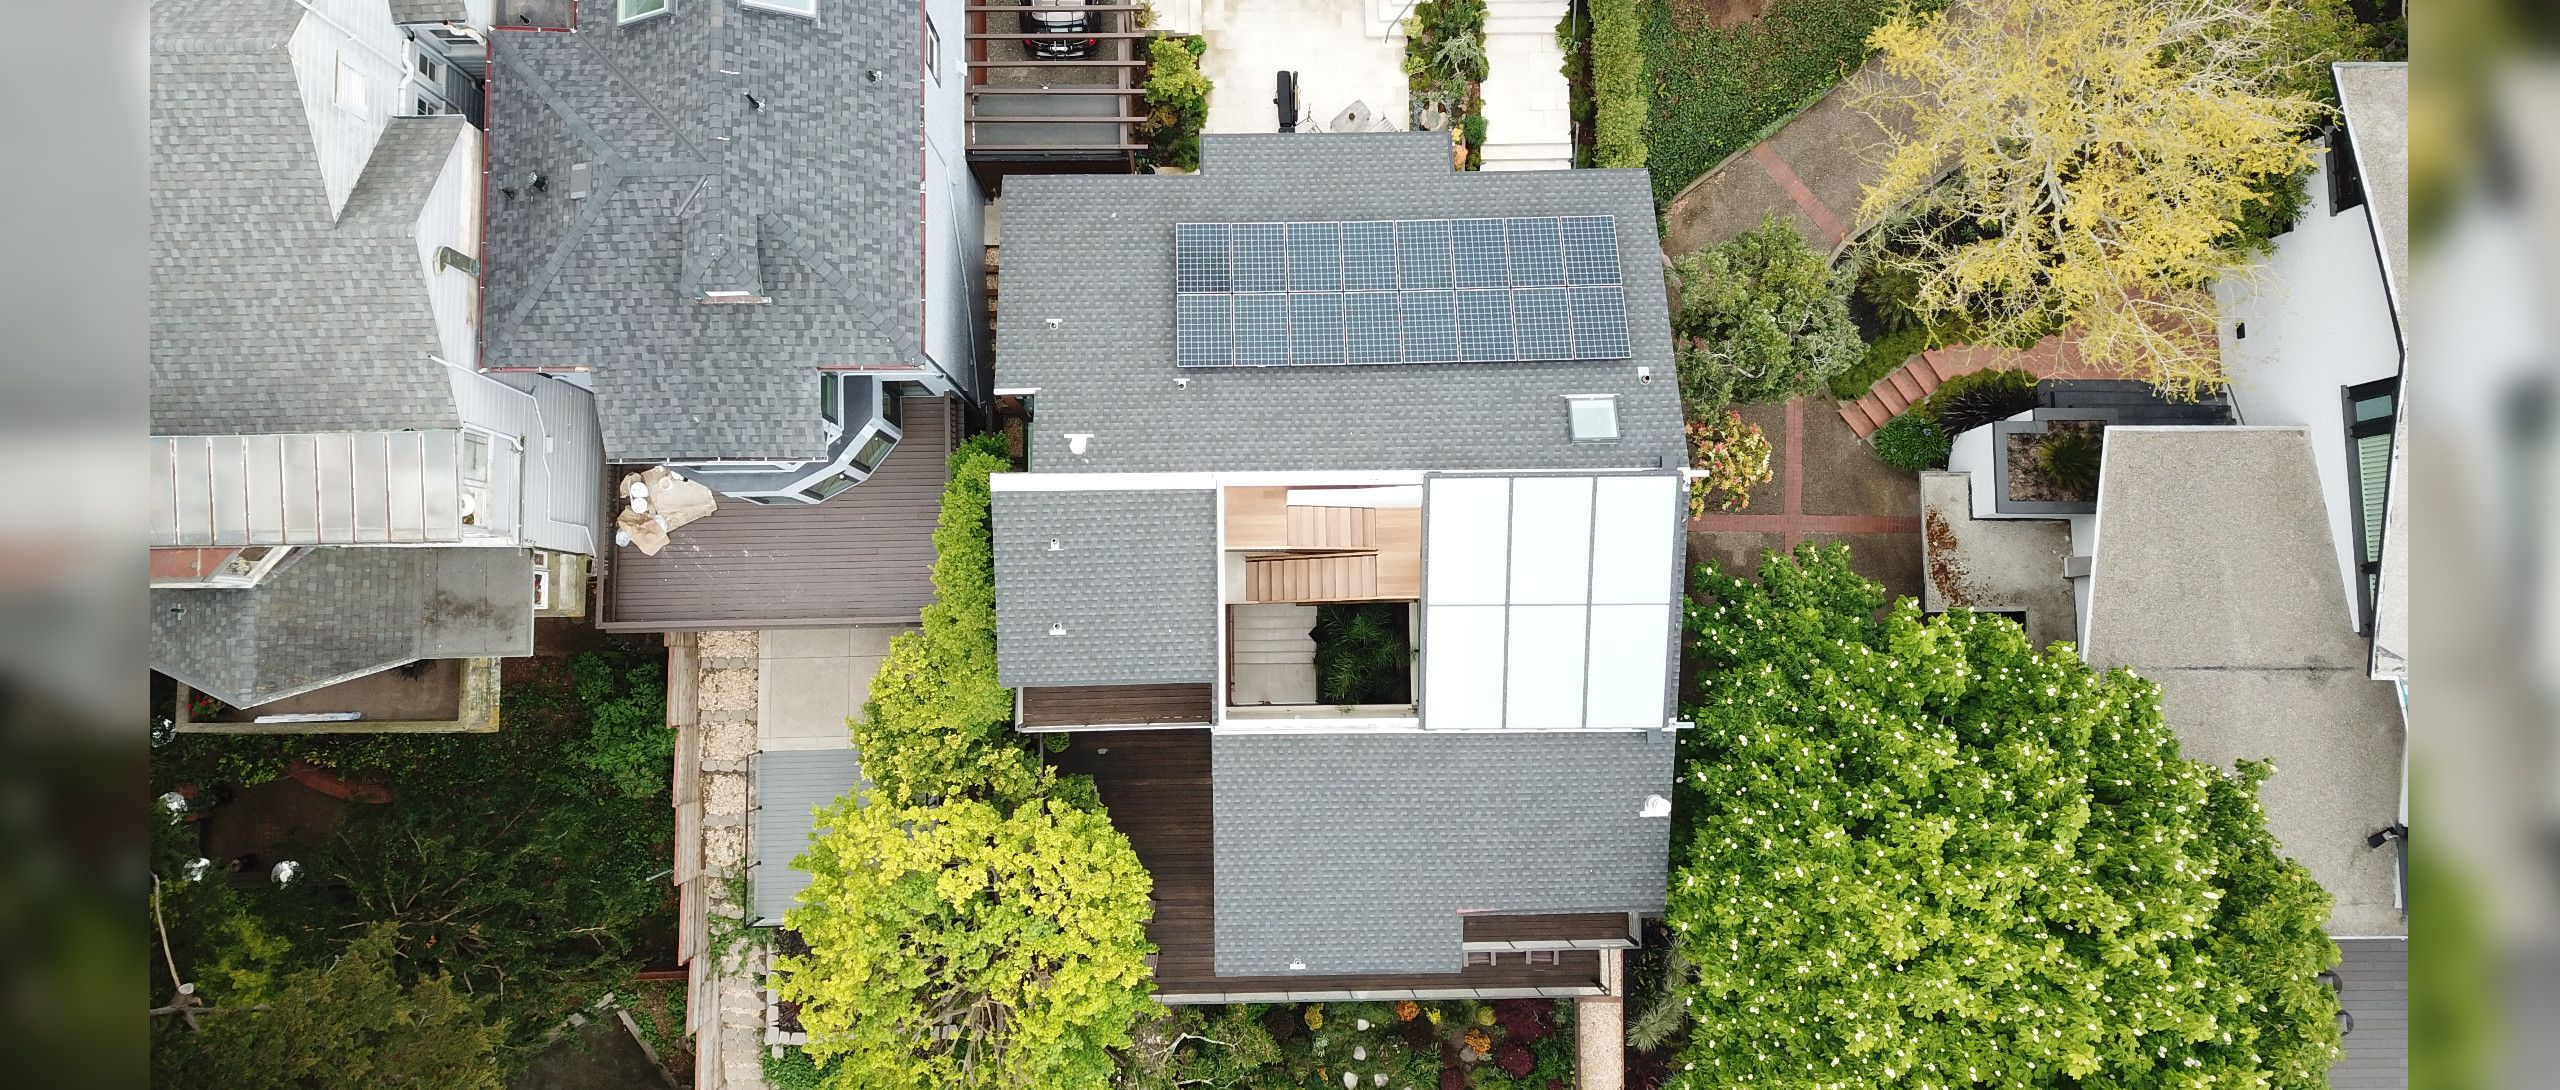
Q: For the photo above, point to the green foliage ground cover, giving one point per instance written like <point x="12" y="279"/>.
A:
<point x="1718" y="90"/>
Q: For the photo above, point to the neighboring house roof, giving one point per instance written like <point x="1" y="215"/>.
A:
<point x="2391" y="591"/>
<point x="2215" y="578"/>
<point x="2374" y="96"/>
<point x="1355" y="853"/>
<point x="2373" y="988"/>
<point x="266" y="316"/>
<point x="1133" y="581"/>
<point x="790" y="786"/>
<point x="429" y="11"/>
<point x="808" y="195"/>
<point x="1096" y="255"/>
<point x="330" y="615"/>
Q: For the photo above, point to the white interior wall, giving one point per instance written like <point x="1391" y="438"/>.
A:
<point x="2318" y="321"/>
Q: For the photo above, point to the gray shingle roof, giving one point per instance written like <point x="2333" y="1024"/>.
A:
<point x="790" y="786"/>
<point x="1354" y="853"/>
<point x="810" y="199"/>
<point x="265" y="315"/>
<point x="332" y="614"/>
<point x="1134" y="580"/>
<point x="1096" y="252"/>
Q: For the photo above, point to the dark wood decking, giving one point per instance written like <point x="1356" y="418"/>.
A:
<point x="1116" y="706"/>
<point x="1156" y="784"/>
<point x="864" y="557"/>
<point x="1545" y="927"/>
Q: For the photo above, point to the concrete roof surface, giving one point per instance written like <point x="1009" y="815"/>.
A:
<point x="2374" y="96"/>
<point x="731" y="149"/>
<point x="2215" y="578"/>
<point x="1096" y="253"/>
<point x="1354" y="853"/>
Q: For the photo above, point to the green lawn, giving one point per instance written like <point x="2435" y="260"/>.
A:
<point x="1715" y="90"/>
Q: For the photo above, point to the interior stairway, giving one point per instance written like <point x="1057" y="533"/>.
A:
<point x="1274" y="655"/>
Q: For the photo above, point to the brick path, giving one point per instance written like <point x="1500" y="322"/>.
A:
<point x="1793" y="522"/>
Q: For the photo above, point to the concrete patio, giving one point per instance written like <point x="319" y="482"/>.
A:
<point x="811" y="680"/>
<point x="1329" y="43"/>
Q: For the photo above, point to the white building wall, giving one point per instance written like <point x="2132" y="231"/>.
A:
<point x="350" y="60"/>
<point x="954" y="207"/>
<point x="563" y="456"/>
<point x="451" y="217"/>
<point x="2318" y="322"/>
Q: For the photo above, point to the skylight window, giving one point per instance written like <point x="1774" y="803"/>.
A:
<point x="1591" y="418"/>
<point x="634" y="10"/>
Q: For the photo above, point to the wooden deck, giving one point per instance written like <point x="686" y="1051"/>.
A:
<point x="1156" y="784"/>
<point x="1546" y="927"/>
<point x="864" y="557"/>
<point x="1116" y="706"/>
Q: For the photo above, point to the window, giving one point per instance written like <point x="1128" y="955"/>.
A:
<point x="830" y="398"/>
<point x="932" y="50"/>
<point x="2346" y="182"/>
<point x="828" y="486"/>
<point x="427" y="69"/>
<point x="791" y="7"/>
<point x="352" y="92"/>
<point x="427" y="107"/>
<point x="873" y="450"/>
<point x="1591" y="418"/>
<point x="634" y="10"/>
<point x="475" y="457"/>
<point x="2371" y="408"/>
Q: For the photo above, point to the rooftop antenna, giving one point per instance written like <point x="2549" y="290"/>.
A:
<point x="754" y="103"/>
<point x="540" y="183"/>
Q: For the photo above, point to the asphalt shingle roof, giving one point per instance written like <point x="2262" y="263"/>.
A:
<point x="1134" y="580"/>
<point x="1097" y="253"/>
<point x="266" y="316"/>
<point x="808" y="195"/>
<point x="1354" y="853"/>
<point x="332" y="614"/>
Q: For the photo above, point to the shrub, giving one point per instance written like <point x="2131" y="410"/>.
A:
<point x="795" y="1070"/>
<point x="1761" y="319"/>
<point x="1618" y="85"/>
<point x="1972" y="408"/>
<point x="1177" y="101"/>
<point x="1475" y="129"/>
<point x="627" y="736"/>
<point x="2011" y="380"/>
<point x="1525" y="1019"/>
<point x="1514" y="1058"/>
<point x="1913" y="442"/>
<point x="2275" y="202"/>
<point x="1735" y="456"/>
<point x="1882" y="356"/>
<point x="2071" y="458"/>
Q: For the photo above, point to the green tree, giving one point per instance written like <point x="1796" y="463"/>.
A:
<point x="937" y="724"/>
<point x="348" y="1025"/>
<point x="1917" y="851"/>
<point x="1761" y="319"/>
<point x="628" y="741"/>
<point x="960" y="946"/>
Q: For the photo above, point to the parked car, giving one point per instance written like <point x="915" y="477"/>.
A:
<point x="1050" y="29"/>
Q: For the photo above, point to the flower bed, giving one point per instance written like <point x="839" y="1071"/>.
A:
<point x="1509" y="1044"/>
<point x="1735" y="458"/>
<point x="1444" y="63"/>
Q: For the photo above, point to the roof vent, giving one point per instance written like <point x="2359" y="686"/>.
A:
<point x="1055" y="546"/>
<point x="1052" y="323"/>
<point x="1655" y="806"/>
<point x="1591" y="418"/>
<point x="1077" y="442"/>
<point x="1058" y="628"/>
<point x="582" y="177"/>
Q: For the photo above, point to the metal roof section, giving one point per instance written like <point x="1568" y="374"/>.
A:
<point x="1549" y="601"/>
<point x="1334" y="852"/>
<point x="790" y="786"/>
<point x="343" y="488"/>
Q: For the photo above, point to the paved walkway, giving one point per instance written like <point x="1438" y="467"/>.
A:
<point x="1812" y="173"/>
<point x="1826" y="487"/>
<point x="1528" y="107"/>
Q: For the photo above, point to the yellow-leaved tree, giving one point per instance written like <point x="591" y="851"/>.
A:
<point x="2100" y="151"/>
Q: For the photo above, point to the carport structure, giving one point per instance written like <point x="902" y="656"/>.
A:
<point x="1054" y="115"/>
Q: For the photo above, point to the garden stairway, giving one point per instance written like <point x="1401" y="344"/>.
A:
<point x="2051" y="357"/>
<point x="1274" y="655"/>
<point x="1528" y="108"/>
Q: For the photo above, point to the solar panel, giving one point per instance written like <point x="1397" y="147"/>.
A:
<point x="1315" y="257"/>
<point x="1523" y="289"/>
<point x="1599" y="324"/>
<point x="1483" y="261"/>
<point x="1541" y="324"/>
<point x="1315" y="328"/>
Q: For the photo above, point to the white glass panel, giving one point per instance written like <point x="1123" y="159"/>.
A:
<point x="1630" y="646"/>
<point x="1551" y="540"/>
<point x="1633" y="521"/>
<point x="1462" y="667"/>
<point x="1542" y="675"/>
<point x="1466" y="520"/>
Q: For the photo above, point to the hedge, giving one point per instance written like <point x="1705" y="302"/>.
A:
<point x="1618" y="83"/>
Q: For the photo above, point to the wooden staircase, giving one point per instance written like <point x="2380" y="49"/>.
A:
<point x="1341" y="577"/>
<point x="1922" y="374"/>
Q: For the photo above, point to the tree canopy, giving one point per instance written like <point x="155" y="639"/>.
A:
<point x="2102" y="152"/>
<point x="1761" y="319"/>
<point x="1020" y="936"/>
<point x="1917" y="851"/>
<point x="347" y="1025"/>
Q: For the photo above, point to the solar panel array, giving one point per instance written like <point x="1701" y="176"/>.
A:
<point x="1398" y="291"/>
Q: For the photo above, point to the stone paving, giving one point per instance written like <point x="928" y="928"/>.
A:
<point x="730" y="1042"/>
<point x="1528" y="107"/>
<point x="1826" y="486"/>
<point x="1811" y="173"/>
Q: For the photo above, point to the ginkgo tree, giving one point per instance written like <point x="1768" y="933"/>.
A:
<point x="1916" y="851"/>
<point x="2080" y="165"/>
